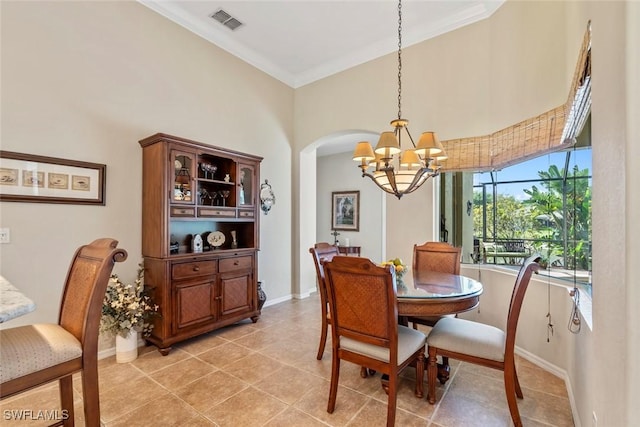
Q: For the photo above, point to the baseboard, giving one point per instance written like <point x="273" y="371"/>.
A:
<point x="108" y="352"/>
<point x="303" y="295"/>
<point x="549" y="367"/>
<point x="271" y="302"/>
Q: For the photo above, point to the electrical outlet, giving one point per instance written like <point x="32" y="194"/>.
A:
<point x="5" y="235"/>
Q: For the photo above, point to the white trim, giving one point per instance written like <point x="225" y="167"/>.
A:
<point x="107" y="352"/>
<point x="553" y="369"/>
<point x="271" y="302"/>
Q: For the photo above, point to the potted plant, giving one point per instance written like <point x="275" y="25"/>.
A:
<point x="126" y="310"/>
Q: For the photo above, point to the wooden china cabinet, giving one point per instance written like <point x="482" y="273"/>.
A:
<point x="191" y="189"/>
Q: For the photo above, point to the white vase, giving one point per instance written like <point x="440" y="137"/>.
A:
<point x="127" y="348"/>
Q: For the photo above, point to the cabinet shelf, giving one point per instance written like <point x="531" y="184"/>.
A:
<point x="217" y="181"/>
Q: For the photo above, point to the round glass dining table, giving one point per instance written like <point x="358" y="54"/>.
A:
<point x="433" y="294"/>
<point x="430" y="293"/>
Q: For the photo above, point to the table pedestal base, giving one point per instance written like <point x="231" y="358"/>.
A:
<point x="443" y="376"/>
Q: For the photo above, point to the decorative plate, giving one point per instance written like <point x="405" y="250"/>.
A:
<point x="216" y="238"/>
<point x="177" y="164"/>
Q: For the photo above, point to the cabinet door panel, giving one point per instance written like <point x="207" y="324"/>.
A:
<point x="247" y="185"/>
<point x="194" y="304"/>
<point x="183" y="168"/>
<point x="236" y="292"/>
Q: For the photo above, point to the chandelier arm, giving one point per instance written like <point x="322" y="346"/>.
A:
<point x="392" y="181"/>
<point x="417" y="178"/>
<point x="386" y="190"/>
<point x="410" y="137"/>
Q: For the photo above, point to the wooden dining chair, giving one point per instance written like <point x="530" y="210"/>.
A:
<point x="322" y="251"/>
<point x="365" y="330"/>
<point x="435" y="256"/>
<point x="482" y="344"/>
<point x="34" y="355"/>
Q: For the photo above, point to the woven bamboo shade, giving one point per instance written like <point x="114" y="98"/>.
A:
<point x="553" y="130"/>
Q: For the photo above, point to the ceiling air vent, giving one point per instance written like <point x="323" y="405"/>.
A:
<point x="225" y="19"/>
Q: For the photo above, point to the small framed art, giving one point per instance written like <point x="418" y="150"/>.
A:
<point x="345" y="210"/>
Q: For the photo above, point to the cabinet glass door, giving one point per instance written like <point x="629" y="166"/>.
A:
<point x="246" y="184"/>
<point x="183" y="175"/>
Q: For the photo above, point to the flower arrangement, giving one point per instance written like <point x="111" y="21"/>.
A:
<point x="127" y="307"/>
<point x="399" y="267"/>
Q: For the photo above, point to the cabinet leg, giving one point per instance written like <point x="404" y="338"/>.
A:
<point x="164" y="351"/>
<point x="254" y="319"/>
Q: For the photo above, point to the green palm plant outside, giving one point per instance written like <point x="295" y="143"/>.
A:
<point x="566" y="206"/>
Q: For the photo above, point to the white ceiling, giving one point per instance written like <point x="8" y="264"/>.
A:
<point x="299" y="42"/>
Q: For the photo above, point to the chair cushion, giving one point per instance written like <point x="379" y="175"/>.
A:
<point x="409" y="341"/>
<point x="467" y="337"/>
<point x="31" y="348"/>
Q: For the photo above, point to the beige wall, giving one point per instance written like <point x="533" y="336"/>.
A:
<point x="632" y="204"/>
<point x="371" y="235"/>
<point x="86" y="81"/>
<point x="615" y="210"/>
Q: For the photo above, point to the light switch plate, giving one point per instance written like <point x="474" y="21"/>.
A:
<point x="5" y="235"/>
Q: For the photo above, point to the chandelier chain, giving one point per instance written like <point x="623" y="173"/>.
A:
<point x="399" y="59"/>
<point x="399" y="171"/>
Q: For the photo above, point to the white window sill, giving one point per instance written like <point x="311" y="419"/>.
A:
<point x="585" y="303"/>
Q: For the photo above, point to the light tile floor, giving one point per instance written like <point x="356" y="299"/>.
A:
<point x="266" y="374"/>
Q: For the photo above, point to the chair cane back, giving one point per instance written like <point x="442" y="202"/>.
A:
<point x="365" y="330"/>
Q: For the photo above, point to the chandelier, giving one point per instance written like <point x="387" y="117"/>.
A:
<point x="398" y="171"/>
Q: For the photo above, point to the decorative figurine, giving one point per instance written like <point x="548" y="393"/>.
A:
<point x="234" y="241"/>
<point x="196" y="244"/>
<point x="335" y="235"/>
<point x="227" y="178"/>
<point x="174" y="246"/>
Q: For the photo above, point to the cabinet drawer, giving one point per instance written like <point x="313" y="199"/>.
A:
<point x="246" y="214"/>
<point x="193" y="269"/>
<point x="237" y="263"/>
<point x="227" y="213"/>
<point x="180" y="211"/>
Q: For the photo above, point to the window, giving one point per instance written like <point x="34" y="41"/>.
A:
<point x="526" y="188"/>
<point x="542" y="205"/>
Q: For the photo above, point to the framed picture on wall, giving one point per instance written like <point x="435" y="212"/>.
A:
<point x="40" y="179"/>
<point x="345" y="210"/>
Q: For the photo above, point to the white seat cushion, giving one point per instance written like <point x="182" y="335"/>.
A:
<point x="409" y="341"/>
<point x="31" y="348"/>
<point x="467" y="337"/>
